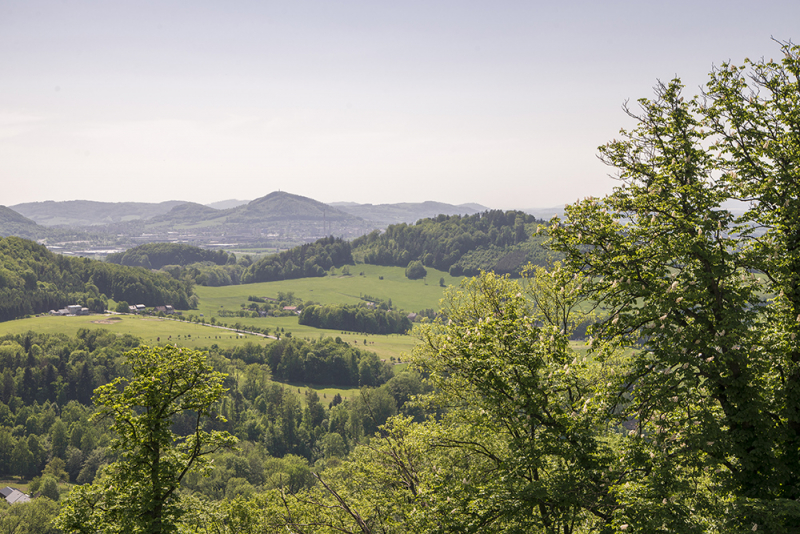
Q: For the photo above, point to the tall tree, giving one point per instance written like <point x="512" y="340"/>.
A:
<point x="138" y="493"/>
<point x="709" y="300"/>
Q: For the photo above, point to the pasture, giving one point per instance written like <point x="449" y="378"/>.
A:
<point x="408" y="295"/>
<point x="152" y="330"/>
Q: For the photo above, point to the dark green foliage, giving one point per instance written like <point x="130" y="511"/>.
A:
<point x="326" y="362"/>
<point x="416" y="270"/>
<point x="157" y="255"/>
<point x="461" y="245"/>
<point x="34" y="280"/>
<point x="313" y="259"/>
<point x="355" y="319"/>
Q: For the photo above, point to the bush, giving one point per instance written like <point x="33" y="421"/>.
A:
<point x="415" y="270"/>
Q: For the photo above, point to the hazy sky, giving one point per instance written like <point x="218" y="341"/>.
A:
<point x="497" y="102"/>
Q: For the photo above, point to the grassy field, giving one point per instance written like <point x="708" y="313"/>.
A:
<point x="408" y="295"/>
<point x="152" y="330"/>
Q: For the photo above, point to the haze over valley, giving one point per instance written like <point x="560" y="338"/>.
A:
<point x="275" y="221"/>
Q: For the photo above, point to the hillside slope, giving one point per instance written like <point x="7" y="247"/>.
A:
<point x="35" y="280"/>
<point x="14" y="223"/>
<point x="90" y="213"/>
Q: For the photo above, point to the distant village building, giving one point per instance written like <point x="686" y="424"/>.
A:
<point x="413" y="317"/>
<point x="72" y="309"/>
<point x="13" y="495"/>
<point x="169" y="310"/>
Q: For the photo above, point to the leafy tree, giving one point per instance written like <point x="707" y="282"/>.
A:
<point x="416" y="270"/>
<point x="138" y="493"/>
<point x="709" y="299"/>
<point x="49" y="488"/>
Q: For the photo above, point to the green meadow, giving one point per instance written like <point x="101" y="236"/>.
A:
<point x="153" y="330"/>
<point x="408" y="295"/>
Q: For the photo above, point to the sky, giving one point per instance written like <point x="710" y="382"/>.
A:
<point x="501" y="103"/>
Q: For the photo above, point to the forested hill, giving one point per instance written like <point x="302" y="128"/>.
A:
<point x="312" y="259"/>
<point x="13" y="223"/>
<point x="492" y="241"/>
<point x="157" y="255"/>
<point x="34" y="280"/>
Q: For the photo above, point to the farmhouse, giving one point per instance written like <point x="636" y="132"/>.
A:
<point x="13" y="495"/>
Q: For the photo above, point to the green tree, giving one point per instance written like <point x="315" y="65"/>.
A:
<point x="416" y="270"/>
<point x="520" y="445"/>
<point x="49" y="488"/>
<point x="138" y="492"/>
<point x="709" y="299"/>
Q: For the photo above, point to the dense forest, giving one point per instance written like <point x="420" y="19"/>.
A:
<point x="34" y="280"/>
<point x="491" y="241"/>
<point x="48" y="383"/>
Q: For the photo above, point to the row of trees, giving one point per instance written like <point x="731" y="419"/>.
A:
<point x="355" y="318"/>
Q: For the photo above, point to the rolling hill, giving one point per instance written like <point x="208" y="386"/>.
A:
<point x="90" y="213"/>
<point x="14" y="223"/>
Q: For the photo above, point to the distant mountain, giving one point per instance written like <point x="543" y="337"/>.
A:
<point x="90" y="213"/>
<point x="278" y="214"/>
<point x="280" y="205"/>
<point x="405" y="212"/>
<point x="227" y="204"/>
<point x="13" y="223"/>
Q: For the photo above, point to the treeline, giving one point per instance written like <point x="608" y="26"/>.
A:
<point x="443" y="241"/>
<point x="309" y="260"/>
<point x="355" y="318"/>
<point x="35" y="280"/>
<point x="158" y="255"/>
